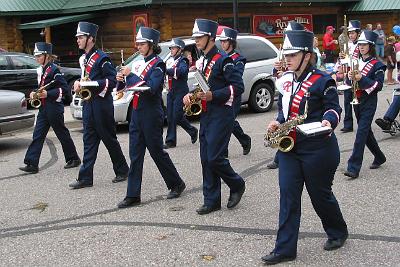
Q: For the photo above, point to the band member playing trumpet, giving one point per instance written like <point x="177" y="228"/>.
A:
<point x="98" y="110"/>
<point x="146" y="125"/>
<point x="353" y="32"/>
<point x="217" y="117"/>
<point x="369" y="78"/>
<point x="177" y="75"/>
<point x="51" y="111"/>
<point x="313" y="160"/>
<point x="228" y="44"/>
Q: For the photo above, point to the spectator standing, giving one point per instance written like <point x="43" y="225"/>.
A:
<point x="341" y="39"/>
<point x="329" y="44"/>
<point x="318" y="53"/>
<point x="368" y="27"/>
<point x="397" y="49"/>
<point x="390" y="56"/>
<point x="380" y="42"/>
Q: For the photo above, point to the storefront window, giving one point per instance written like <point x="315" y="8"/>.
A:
<point x="244" y="23"/>
<point x="321" y="21"/>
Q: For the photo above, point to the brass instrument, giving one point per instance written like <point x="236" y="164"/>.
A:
<point x="354" y="84"/>
<point x="85" y="94"/>
<point x="120" y="94"/>
<point x="35" y="101"/>
<point x="347" y="60"/>
<point x="282" y="58"/>
<point x="194" y="108"/>
<point x="280" y="137"/>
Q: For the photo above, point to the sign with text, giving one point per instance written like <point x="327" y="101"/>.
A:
<point x="273" y="25"/>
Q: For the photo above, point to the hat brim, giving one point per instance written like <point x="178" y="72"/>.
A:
<point x="364" y="42"/>
<point x="224" y="38"/>
<point x="199" y="34"/>
<point x="351" y="29"/>
<point x="39" y="53"/>
<point x="291" y="51"/>
<point x="143" y="40"/>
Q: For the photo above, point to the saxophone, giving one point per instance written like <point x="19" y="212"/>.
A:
<point x="85" y="94"/>
<point x="194" y="108"/>
<point x="35" y="101"/>
<point x="280" y="137"/>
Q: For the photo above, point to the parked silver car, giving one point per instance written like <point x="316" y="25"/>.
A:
<point x="14" y="115"/>
<point x="259" y="84"/>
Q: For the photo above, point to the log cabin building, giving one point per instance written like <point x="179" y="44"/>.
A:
<point x="22" y="23"/>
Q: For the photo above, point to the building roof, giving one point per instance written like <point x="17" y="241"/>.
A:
<point x="36" y="7"/>
<point x="375" y="5"/>
<point x="54" y="21"/>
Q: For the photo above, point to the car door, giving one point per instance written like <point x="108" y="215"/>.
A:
<point x="25" y="68"/>
<point x="8" y="78"/>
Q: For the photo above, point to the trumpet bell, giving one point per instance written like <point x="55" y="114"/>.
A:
<point x="286" y="143"/>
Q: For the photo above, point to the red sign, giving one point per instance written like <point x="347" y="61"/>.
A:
<point x="139" y="20"/>
<point x="274" y="25"/>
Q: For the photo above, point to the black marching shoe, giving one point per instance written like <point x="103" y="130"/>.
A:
<point x="119" y="178"/>
<point x="384" y="124"/>
<point x="351" y="174"/>
<point x="195" y="136"/>
<point x="207" y="209"/>
<point x="274" y="258"/>
<point x="169" y="145"/>
<point x="272" y="165"/>
<point x="332" y="244"/>
<point x="235" y="197"/>
<point x="176" y="191"/>
<point x="72" y="163"/>
<point x="129" y="202"/>
<point x="247" y="146"/>
<point x="80" y="184"/>
<point x="29" y="168"/>
<point x="346" y="130"/>
<point x="376" y="165"/>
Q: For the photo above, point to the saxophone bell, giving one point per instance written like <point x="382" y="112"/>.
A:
<point x="85" y="94"/>
<point x="284" y="143"/>
<point x="35" y="102"/>
<point x="194" y="108"/>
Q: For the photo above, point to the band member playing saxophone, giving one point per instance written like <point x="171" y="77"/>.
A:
<point x="217" y="117"/>
<point x="98" y="110"/>
<point x="369" y="80"/>
<point x="51" y="111"/>
<point x="312" y="161"/>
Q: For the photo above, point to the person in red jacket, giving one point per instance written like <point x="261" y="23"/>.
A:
<point x="329" y="44"/>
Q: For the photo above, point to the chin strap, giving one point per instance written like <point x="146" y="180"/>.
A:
<point x="301" y="62"/>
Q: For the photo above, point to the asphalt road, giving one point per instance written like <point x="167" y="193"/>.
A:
<point x="43" y="222"/>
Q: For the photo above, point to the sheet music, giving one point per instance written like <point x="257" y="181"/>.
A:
<point x="313" y="128"/>
<point x="139" y="88"/>
<point x="202" y="82"/>
<point x="89" y="84"/>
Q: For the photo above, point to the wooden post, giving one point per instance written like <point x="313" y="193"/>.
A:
<point x="47" y="32"/>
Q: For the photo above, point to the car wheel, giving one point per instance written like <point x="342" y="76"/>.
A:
<point x="261" y="97"/>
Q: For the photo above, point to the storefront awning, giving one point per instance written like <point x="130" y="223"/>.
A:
<point x="54" y="21"/>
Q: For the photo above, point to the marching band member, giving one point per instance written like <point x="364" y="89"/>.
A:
<point x="228" y="44"/>
<point x="216" y="122"/>
<point x="98" y="111"/>
<point x="313" y="160"/>
<point x="146" y="125"/>
<point x="353" y="30"/>
<point x="278" y="70"/>
<point x="369" y="77"/>
<point x="177" y="75"/>
<point x="386" y="122"/>
<point x="51" y="112"/>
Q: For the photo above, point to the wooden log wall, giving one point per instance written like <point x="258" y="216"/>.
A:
<point x="10" y="36"/>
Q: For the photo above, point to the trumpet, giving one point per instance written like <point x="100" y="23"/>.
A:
<point x="347" y="59"/>
<point x="354" y="85"/>
<point x="35" y="101"/>
<point x="194" y="108"/>
<point x="85" y="94"/>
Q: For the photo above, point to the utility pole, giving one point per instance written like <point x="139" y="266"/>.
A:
<point x="235" y="15"/>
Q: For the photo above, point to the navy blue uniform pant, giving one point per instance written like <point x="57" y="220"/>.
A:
<point x="99" y="125"/>
<point x="145" y="131"/>
<point x="176" y="117"/>
<point x="313" y="164"/>
<point x="237" y="129"/>
<point x="215" y="132"/>
<point x="393" y="109"/>
<point x="45" y="119"/>
<point x="348" y="109"/>
<point x="365" y="112"/>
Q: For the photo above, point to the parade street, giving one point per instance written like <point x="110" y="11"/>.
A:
<point x="45" y="223"/>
